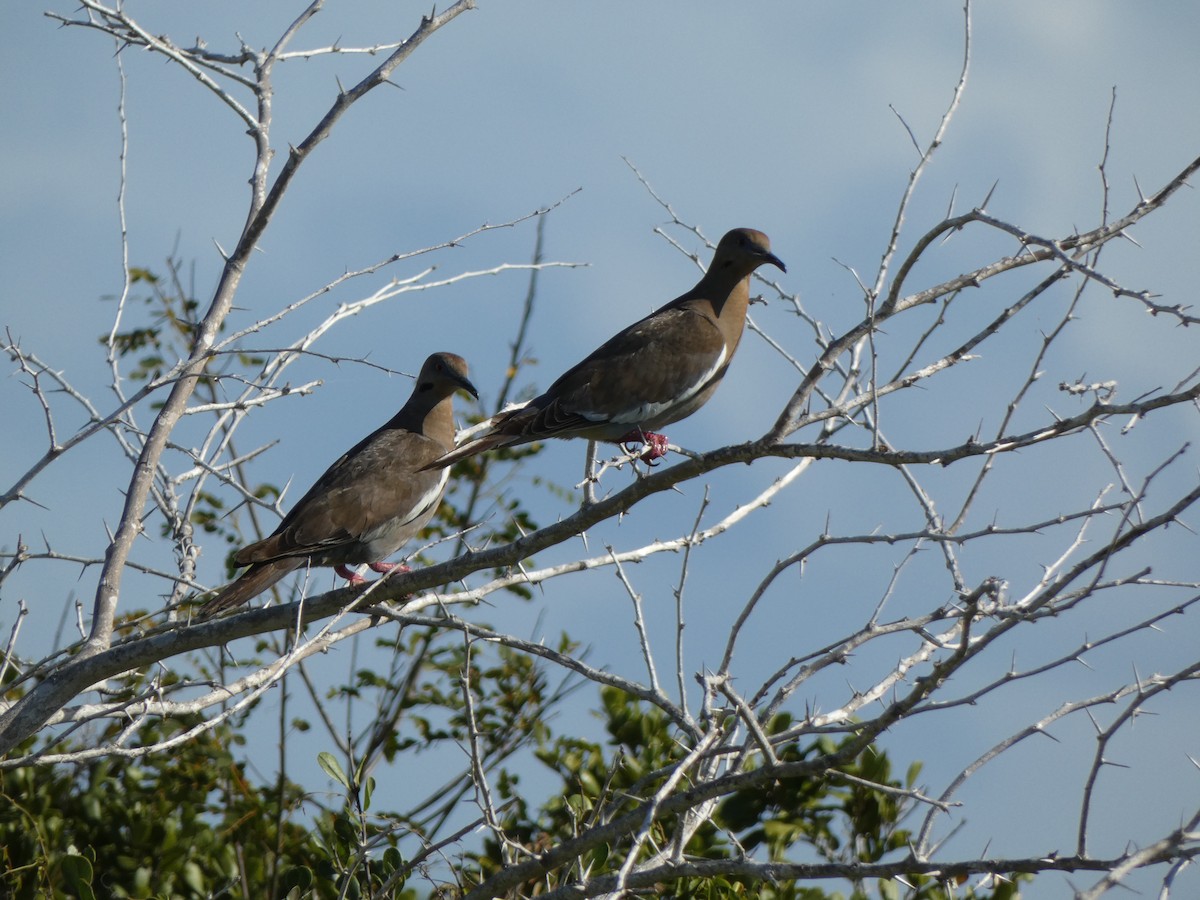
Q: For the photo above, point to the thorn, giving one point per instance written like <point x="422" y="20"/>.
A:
<point x="1138" y="187"/>
<point x="988" y="198"/>
<point x="950" y="205"/>
<point x="1131" y="239"/>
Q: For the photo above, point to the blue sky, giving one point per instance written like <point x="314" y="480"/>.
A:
<point x="780" y="116"/>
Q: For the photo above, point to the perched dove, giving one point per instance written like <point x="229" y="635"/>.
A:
<point x="370" y="502"/>
<point x="655" y="372"/>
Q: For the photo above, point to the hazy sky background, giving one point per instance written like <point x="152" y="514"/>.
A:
<point x="774" y="115"/>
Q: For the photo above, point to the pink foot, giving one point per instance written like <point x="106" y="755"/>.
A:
<point x="656" y="444"/>
<point x="383" y="568"/>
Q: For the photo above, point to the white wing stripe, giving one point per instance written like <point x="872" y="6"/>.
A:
<point x="648" y="412"/>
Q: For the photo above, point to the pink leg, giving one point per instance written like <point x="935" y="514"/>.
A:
<point x="349" y="574"/>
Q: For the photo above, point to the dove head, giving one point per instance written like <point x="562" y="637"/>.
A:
<point x="743" y="250"/>
<point x="442" y="375"/>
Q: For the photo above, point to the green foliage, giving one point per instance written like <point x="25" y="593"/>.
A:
<point x="185" y="822"/>
<point x="840" y="820"/>
<point x="795" y="810"/>
<point x="161" y="825"/>
<point x="192" y="822"/>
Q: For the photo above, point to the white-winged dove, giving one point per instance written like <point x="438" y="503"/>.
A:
<point x="655" y="372"/>
<point x="370" y="502"/>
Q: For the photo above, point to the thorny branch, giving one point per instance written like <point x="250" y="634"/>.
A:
<point x="934" y="649"/>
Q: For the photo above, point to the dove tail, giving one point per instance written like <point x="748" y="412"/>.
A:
<point x="471" y="448"/>
<point x="249" y="585"/>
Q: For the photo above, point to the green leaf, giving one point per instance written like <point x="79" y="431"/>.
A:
<point x="333" y="768"/>
<point x="345" y="832"/>
<point x="368" y="789"/>
<point x="193" y="877"/>
<point x="298" y="878"/>
<point x="77" y="871"/>
<point x="392" y="860"/>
